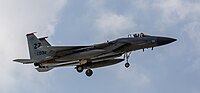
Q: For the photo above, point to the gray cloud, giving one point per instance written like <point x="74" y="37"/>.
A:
<point x="176" y="18"/>
<point x="17" y="19"/>
<point x="109" y="23"/>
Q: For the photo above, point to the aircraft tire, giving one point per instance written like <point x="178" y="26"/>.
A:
<point x="89" y="72"/>
<point x="79" y="69"/>
<point x="36" y="64"/>
<point x="127" y="65"/>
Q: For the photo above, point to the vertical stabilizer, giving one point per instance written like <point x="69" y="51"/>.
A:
<point x="44" y="41"/>
<point x="34" y="43"/>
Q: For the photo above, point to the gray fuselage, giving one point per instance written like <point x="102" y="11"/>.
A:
<point x="115" y="47"/>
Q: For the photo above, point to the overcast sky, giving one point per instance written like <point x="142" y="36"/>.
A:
<point x="174" y="68"/>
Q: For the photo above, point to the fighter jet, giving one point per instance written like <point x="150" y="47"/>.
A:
<point x="46" y="57"/>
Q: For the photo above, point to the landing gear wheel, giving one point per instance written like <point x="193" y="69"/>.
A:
<point x="79" y="69"/>
<point x="89" y="72"/>
<point x="127" y="65"/>
<point x="36" y="64"/>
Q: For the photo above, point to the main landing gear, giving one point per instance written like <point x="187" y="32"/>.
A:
<point x="89" y="72"/>
<point x="80" y="69"/>
<point x="126" y="57"/>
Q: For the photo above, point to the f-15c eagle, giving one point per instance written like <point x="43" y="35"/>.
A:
<point x="46" y="57"/>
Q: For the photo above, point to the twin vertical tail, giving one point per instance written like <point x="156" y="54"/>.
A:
<point x="34" y="43"/>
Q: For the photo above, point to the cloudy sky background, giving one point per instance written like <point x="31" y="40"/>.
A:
<point x="173" y="68"/>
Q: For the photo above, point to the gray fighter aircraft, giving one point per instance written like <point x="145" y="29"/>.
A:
<point x="46" y="57"/>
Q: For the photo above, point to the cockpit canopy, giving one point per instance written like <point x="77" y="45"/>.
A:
<point x="137" y="35"/>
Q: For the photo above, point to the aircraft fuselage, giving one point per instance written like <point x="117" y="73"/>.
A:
<point x="118" y="46"/>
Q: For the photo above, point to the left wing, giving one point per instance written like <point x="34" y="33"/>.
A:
<point x="50" y="67"/>
<point x="59" y="48"/>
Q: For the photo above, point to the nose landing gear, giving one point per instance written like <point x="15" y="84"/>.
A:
<point x="127" y="65"/>
<point x="126" y="56"/>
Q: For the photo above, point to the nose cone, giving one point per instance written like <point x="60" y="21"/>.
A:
<point x="164" y="40"/>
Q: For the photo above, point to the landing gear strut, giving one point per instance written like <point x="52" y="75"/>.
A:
<point x="126" y="56"/>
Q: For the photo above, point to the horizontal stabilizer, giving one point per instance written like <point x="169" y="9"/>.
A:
<point x="59" y="48"/>
<point x="25" y="61"/>
<point x="44" y="69"/>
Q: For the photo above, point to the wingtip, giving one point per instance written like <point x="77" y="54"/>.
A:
<point x="42" y="38"/>
<point x="15" y="60"/>
<point x="31" y="33"/>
